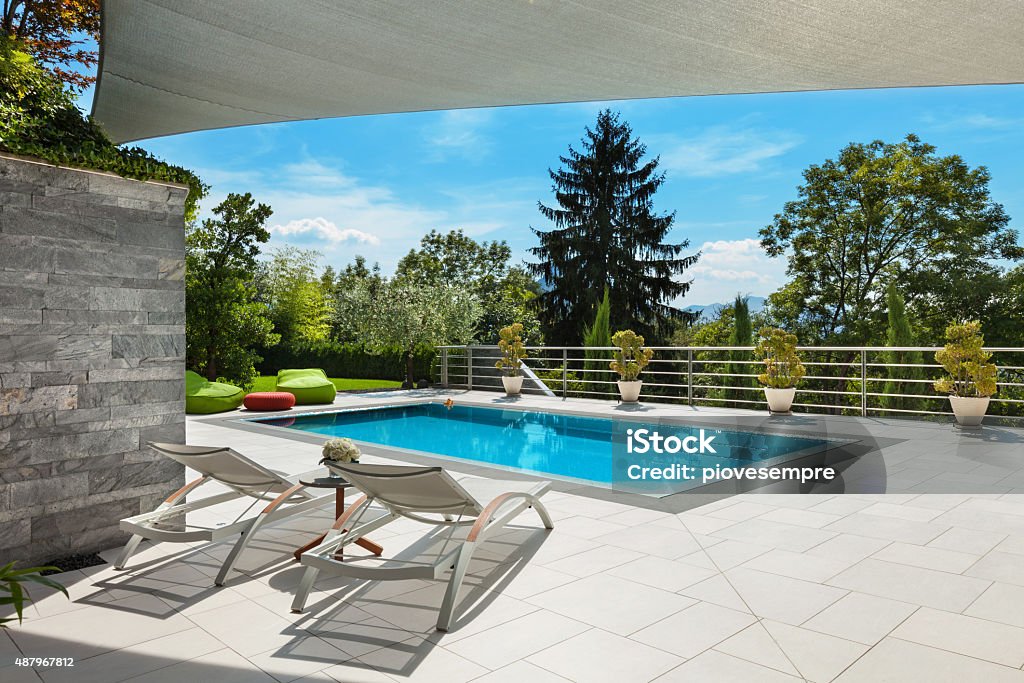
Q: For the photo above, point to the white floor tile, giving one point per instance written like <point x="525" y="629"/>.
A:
<point x="695" y="629"/>
<point x="1001" y="602"/>
<point x="860" y="617"/>
<point x="518" y="672"/>
<point x="818" y="657"/>
<point x="965" y="635"/>
<point x="506" y="643"/>
<point x="791" y="601"/>
<point x="755" y="644"/>
<point x="969" y="541"/>
<point x="915" y="585"/>
<point x="895" y="660"/>
<point x="722" y="668"/>
<point x="600" y="657"/>
<point x="611" y="603"/>
<point x="928" y="557"/>
<point x="997" y="566"/>
<point x="658" y="572"/>
<point x="797" y="565"/>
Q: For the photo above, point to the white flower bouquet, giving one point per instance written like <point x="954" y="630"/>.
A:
<point x="340" y="450"/>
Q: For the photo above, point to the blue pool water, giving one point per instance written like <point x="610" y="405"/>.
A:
<point x="584" y="448"/>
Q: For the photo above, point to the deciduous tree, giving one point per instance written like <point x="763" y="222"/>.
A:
<point x="224" y="323"/>
<point x="58" y="33"/>
<point x="888" y="210"/>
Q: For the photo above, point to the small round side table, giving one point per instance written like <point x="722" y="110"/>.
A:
<point x="339" y="485"/>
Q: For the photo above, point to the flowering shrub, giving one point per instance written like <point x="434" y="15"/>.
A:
<point x="340" y="450"/>
<point x="512" y="350"/>
<point x="782" y="366"/>
<point x="631" y="357"/>
<point x="971" y="375"/>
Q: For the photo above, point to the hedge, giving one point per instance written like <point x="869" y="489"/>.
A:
<point x="352" y="361"/>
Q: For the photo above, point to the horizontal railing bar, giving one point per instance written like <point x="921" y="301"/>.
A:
<point x="872" y="349"/>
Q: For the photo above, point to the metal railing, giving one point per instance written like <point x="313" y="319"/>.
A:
<point x="859" y="380"/>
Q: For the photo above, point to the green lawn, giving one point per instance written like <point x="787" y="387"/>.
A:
<point x="266" y="383"/>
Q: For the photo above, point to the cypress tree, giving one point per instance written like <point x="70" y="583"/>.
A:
<point x="607" y="234"/>
<point x="599" y="334"/>
<point x="742" y="335"/>
<point x="900" y="333"/>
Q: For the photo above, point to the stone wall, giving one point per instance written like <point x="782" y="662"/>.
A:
<point x="92" y="347"/>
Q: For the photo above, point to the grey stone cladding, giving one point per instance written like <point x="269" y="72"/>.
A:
<point x="92" y="354"/>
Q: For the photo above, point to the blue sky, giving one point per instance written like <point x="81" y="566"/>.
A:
<point x="374" y="185"/>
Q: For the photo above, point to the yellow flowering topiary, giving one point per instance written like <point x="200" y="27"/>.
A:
<point x="512" y="349"/>
<point x="782" y="366"/>
<point x="631" y="357"/>
<point x="971" y="375"/>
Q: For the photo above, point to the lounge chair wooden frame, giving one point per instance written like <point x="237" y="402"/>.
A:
<point x="372" y="480"/>
<point x="247" y="479"/>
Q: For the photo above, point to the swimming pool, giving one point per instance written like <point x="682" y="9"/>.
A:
<point x="590" y="449"/>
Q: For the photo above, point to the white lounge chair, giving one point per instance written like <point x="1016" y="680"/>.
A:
<point x="411" y="492"/>
<point x="244" y="479"/>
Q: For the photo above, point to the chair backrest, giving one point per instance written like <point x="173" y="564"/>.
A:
<point x="406" y="488"/>
<point x="226" y="466"/>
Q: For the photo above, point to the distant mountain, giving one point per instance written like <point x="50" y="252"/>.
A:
<point x="711" y="311"/>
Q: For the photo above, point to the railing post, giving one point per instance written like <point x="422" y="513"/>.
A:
<point x="863" y="382"/>
<point x="469" y="368"/>
<point x="444" y="368"/>
<point x="689" y="376"/>
<point x="565" y="371"/>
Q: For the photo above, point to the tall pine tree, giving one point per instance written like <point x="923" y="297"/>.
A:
<point x="607" y="234"/>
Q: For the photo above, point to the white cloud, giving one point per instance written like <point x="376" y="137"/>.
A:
<point x="324" y="230"/>
<point x="720" y="151"/>
<point x="459" y="133"/>
<point x="730" y="267"/>
<point x="977" y="121"/>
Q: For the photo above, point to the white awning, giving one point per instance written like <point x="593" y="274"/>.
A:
<point x="172" y="66"/>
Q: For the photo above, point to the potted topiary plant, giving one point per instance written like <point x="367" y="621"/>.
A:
<point x="782" y="367"/>
<point x="972" y="378"/>
<point x="512" y="354"/>
<point x="630" y="360"/>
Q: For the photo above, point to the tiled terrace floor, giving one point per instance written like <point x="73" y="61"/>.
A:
<point x="855" y="587"/>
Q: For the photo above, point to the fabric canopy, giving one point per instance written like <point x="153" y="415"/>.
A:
<point x="172" y="66"/>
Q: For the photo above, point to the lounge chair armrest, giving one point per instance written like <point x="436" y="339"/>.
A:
<point x="492" y="509"/>
<point x="185" y="490"/>
<point x="347" y="514"/>
<point x="280" y="500"/>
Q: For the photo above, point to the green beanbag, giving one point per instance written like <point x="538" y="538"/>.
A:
<point x="307" y="386"/>
<point x="203" y="397"/>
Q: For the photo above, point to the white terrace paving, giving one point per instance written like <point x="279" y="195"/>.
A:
<point x="849" y="588"/>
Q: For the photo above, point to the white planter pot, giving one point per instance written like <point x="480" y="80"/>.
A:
<point x="513" y="385"/>
<point x="779" y="400"/>
<point x="969" y="411"/>
<point x="630" y="391"/>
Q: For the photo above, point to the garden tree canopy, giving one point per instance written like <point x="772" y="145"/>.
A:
<point x="55" y="32"/>
<point x="223" y="321"/>
<point x="39" y="117"/>
<point x="483" y="268"/>
<point x="884" y="210"/>
<point x="382" y="313"/>
<point x="607" y="234"/>
<point x="298" y="303"/>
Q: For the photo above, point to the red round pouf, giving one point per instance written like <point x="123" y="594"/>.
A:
<point x="269" y="400"/>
